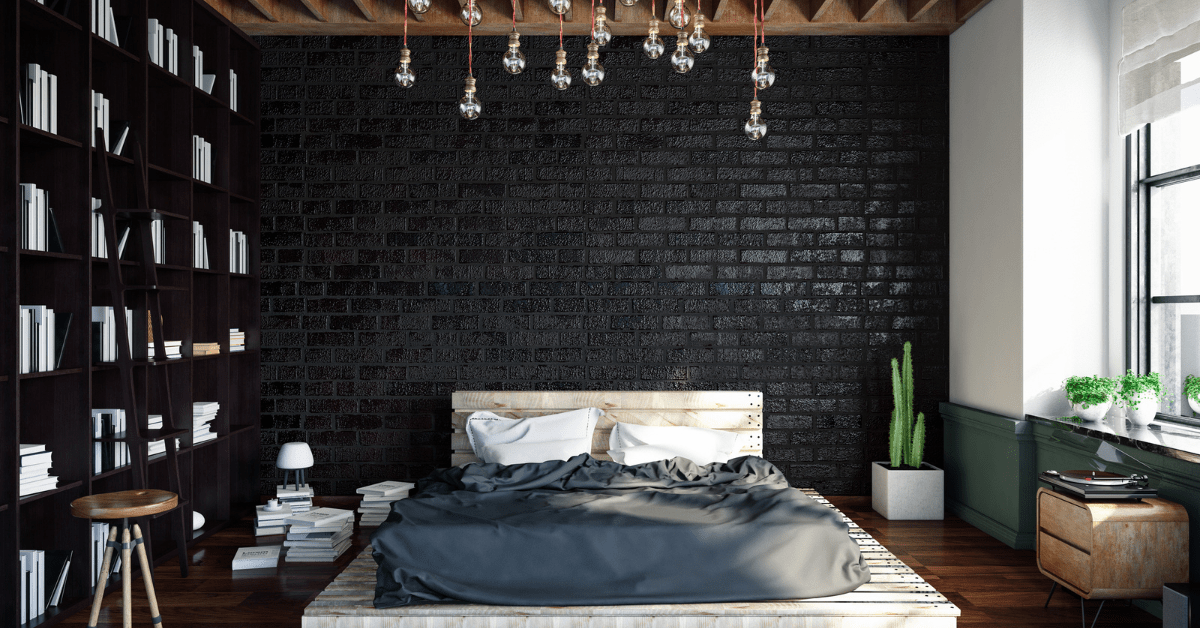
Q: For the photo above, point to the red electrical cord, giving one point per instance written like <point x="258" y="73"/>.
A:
<point x="754" y="45"/>
<point x="470" y="23"/>
<point x="593" y="29"/>
<point x="560" y="37"/>
<point x="406" y="23"/>
<point x="514" y="7"/>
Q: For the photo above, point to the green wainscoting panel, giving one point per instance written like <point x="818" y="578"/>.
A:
<point x="991" y="479"/>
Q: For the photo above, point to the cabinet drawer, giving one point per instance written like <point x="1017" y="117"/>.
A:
<point x="1064" y="561"/>
<point x="1065" y="520"/>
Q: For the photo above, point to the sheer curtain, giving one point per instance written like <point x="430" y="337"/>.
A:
<point x="1160" y="61"/>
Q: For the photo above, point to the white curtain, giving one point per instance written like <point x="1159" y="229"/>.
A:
<point x="1160" y="61"/>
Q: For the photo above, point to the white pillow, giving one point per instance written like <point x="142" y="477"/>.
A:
<point x="645" y="443"/>
<point x="564" y="435"/>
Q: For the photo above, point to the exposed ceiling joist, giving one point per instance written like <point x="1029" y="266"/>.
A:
<point x="729" y="17"/>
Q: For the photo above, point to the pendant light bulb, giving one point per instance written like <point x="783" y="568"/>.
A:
<point x="593" y="72"/>
<point x="560" y="77"/>
<point x="682" y="59"/>
<point x="560" y="7"/>
<point x="627" y="3"/>
<point x="419" y="6"/>
<point x="514" y="59"/>
<point x="404" y="74"/>
<point x="755" y="128"/>
<point x="699" y="41"/>
<point x="469" y="106"/>
<point x="679" y="16"/>
<point x="601" y="33"/>
<point x="652" y="44"/>
<point x="762" y="74"/>
<point x="470" y="14"/>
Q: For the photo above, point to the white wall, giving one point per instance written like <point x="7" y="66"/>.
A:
<point x="986" y="171"/>
<point x="1036" y="269"/>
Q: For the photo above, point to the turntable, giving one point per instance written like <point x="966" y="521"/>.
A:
<point x="1093" y="485"/>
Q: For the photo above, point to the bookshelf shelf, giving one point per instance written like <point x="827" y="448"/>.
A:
<point x="219" y="478"/>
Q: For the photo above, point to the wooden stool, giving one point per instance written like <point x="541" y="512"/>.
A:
<point x="125" y="505"/>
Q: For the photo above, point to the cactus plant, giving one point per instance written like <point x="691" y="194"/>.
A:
<point x="906" y="437"/>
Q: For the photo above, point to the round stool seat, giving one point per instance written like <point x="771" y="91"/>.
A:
<point x="124" y="504"/>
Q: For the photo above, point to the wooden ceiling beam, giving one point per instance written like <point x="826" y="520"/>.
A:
<point x="918" y="8"/>
<point x="317" y="8"/>
<point x="268" y="8"/>
<point x="366" y="7"/>
<point x="821" y="8"/>
<point x="964" y="9"/>
<point x="868" y="8"/>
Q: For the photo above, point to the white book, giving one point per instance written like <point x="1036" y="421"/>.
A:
<point x="323" y="555"/>
<point x="26" y="579"/>
<point x="262" y="514"/>
<point x="389" y="487"/>
<point x="207" y="82"/>
<point x="153" y="45"/>
<point x="290" y="491"/>
<point x="38" y="487"/>
<point x="197" y="70"/>
<point x="97" y="116"/>
<point x="271" y="531"/>
<point x="44" y="85"/>
<point x="53" y="104"/>
<point x="104" y="112"/>
<point x="262" y="557"/>
<point x="47" y="341"/>
<point x="319" y="517"/>
<point x="33" y="80"/>
<point x="112" y="26"/>
<point x="233" y="90"/>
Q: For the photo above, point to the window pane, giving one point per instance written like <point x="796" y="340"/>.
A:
<point x="1174" y="142"/>
<point x="1175" y="271"/>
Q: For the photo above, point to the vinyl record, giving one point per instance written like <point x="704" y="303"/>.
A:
<point x="1095" y="478"/>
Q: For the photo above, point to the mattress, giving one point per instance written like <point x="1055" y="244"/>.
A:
<point x="592" y="532"/>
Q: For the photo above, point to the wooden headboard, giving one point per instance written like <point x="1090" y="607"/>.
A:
<point x="733" y="411"/>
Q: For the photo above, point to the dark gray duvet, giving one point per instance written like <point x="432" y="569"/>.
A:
<point x="586" y="532"/>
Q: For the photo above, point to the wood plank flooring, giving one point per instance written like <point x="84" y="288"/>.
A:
<point x="993" y="585"/>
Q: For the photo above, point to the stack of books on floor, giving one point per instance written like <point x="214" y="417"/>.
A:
<point x="104" y="332"/>
<point x="39" y="99"/>
<point x="298" y="499"/>
<point x="108" y="423"/>
<point x="41" y="336"/>
<point x="258" y="557"/>
<point x="43" y="578"/>
<point x="268" y="522"/>
<point x="205" y="348"/>
<point x="39" y="228"/>
<point x="35" y="470"/>
<point x="377" y="501"/>
<point x="203" y="412"/>
<point x="319" y="535"/>
<point x="237" y="340"/>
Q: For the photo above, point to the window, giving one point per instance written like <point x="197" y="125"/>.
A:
<point x="1164" y="253"/>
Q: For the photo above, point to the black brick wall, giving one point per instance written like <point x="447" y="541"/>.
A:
<point x="625" y="237"/>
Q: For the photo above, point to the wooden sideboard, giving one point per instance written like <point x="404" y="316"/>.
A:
<point x="1111" y="549"/>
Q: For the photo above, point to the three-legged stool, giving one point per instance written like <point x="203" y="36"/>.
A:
<point x="125" y="505"/>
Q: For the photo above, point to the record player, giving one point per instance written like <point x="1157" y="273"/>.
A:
<point x="1094" y="485"/>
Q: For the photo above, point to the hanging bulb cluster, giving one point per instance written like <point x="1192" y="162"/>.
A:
<point x="469" y="106"/>
<point x="404" y="74"/>
<point x="593" y="72"/>
<point x="699" y="41"/>
<point x="679" y="16"/>
<point x="560" y="77"/>
<point x="514" y="59"/>
<point x="762" y="74"/>
<point x="601" y="33"/>
<point x="682" y="59"/>
<point x="653" y="46"/>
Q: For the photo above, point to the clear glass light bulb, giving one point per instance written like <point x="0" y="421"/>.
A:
<point x="560" y="7"/>
<point x="682" y="59"/>
<point x="514" y="59"/>
<point x="653" y="45"/>
<point x="755" y="128"/>
<point x="762" y="74"/>
<point x="679" y="15"/>
<point x="469" y="106"/>
<point x="593" y="72"/>
<point x="601" y="33"/>
<point x="470" y="11"/>
<point x="419" y="6"/>
<point x="699" y="41"/>
<point x="560" y="77"/>
<point x="404" y="74"/>
<point x="627" y="3"/>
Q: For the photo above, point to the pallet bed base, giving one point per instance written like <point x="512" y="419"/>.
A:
<point x="896" y="597"/>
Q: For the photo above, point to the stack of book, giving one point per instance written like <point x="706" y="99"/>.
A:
<point x="104" y="332"/>
<point x="43" y="578"/>
<point x="319" y="536"/>
<point x="202" y="80"/>
<point x="258" y="557"/>
<point x="233" y="90"/>
<point x="41" y="336"/>
<point x="39" y="229"/>
<point x="205" y="348"/>
<point x="201" y="160"/>
<point x="298" y="499"/>
<point x="237" y="340"/>
<point x="104" y="23"/>
<point x="377" y="501"/>
<point x="114" y="136"/>
<point x="39" y="99"/>
<point x="99" y="241"/>
<point x="108" y="455"/>
<point x="199" y="245"/>
<point x="203" y="412"/>
<point x="173" y="348"/>
<point x="99" y="539"/>
<point x="268" y="521"/>
<point x="164" y="46"/>
<point x="158" y="239"/>
<point x="35" y="470"/>
<point x="239" y="252"/>
<point x="157" y="447"/>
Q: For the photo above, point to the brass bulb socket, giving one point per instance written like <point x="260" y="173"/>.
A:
<point x="600" y="11"/>
<point x="681" y="39"/>
<point x="755" y="108"/>
<point x="514" y="39"/>
<point x="560" y="57"/>
<point x="593" y="51"/>
<point x="469" y="85"/>
<point x="653" y="26"/>
<point x="762" y="52"/>
<point x="405" y="55"/>
<point x="699" y="21"/>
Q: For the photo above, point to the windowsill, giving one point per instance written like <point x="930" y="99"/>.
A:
<point x="1175" y="437"/>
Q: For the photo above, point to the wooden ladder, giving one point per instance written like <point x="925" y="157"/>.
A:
<point x="146" y="302"/>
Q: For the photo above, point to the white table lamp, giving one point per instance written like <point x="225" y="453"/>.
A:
<point x="294" y="457"/>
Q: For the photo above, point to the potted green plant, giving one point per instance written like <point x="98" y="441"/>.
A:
<point x="1191" y="390"/>
<point x="906" y="487"/>
<point x="1140" y="395"/>
<point x="1090" y="397"/>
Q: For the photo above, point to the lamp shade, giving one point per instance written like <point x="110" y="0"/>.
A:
<point x="294" y="456"/>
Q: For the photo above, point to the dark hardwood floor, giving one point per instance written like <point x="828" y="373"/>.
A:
<point x="994" y="586"/>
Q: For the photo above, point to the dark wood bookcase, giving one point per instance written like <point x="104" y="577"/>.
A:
<point x="219" y="477"/>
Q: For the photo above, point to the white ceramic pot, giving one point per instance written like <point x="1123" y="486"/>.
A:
<point x="1141" y="412"/>
<point x="197" y="520"/>
<point x="908" y="494"/>
<point x="1092" y="412"/>
<point x="1195" y="406"/>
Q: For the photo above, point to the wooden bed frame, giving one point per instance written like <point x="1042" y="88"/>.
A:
<point x="896" y="597"/>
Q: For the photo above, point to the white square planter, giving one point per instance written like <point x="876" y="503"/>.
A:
<point x="908" y="494"/>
